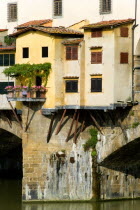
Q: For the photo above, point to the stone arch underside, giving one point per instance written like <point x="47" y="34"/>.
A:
<point x="126" y="159"/>
<point x="12" y="127"/>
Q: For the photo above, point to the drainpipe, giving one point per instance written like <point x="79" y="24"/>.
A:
<point x="133" y="40"/>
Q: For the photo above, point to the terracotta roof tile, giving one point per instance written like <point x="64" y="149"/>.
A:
<point x="105" y="24"/>
<point x="72" y="41"/>
<point x="50" y="30"/>
<point x="7" y="48"/>
<point x="2" y="30"/>
<point x="33" y="23"/>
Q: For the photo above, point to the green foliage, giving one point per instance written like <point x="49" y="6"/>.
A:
<point x="91" y="143"/>
<point x="94" y="153"/>
<point x="28" y="72"/>
<point x="135" y="124"/>
<point x="132" y="113"/>
<point x="9" y="40"/>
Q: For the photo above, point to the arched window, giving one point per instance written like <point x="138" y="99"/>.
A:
<point x="57" y="8"/>
<point x="105" y="6"/>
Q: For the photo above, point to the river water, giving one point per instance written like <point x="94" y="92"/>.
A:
<point x="10" y="199"/>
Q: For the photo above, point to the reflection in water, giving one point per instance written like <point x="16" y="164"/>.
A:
<point x="10" y="199"/>
<point x="110" y="205"/>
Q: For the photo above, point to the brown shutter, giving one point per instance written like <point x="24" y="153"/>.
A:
<point x="123" y="58"/>
<point x="99" y="57"/>
<point x="68" y="53"/>
<point x="124" y="32"/>
<point x="93" y="57"/>
<point x="96" y="33"/>
<point x="75" y="53"/>
<point x="93" y="34"/>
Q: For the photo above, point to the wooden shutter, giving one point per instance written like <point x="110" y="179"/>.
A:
<point x="68" y="86"/>
<point x="93" y="57"/>
<point x="75" y="86"/>
<point x="99" y="57"/>
<point x="6" y="60"/>
<point x="68" y="53"/>
<point x="105" y="6"/>
<point x="57" y="7"/>
<point x="123" y="58"/>
<point x="74" y="53"/>
<point x="124" y="31"/>
<point x="95" y="34"/>
<point x="96" y="85"/>
<point x="3" y="85"/>
<point x="71" y="86"/>
<point x="1" y="60"/>
<point x="12" y="12"/>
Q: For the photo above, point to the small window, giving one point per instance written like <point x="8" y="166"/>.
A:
<point x="57" y="7"/>
<point x="44" y="52"/>
<point x="105" y="6"/>
<point x="25" y="52"/>
<point x="71" y="52"/>
<point x="12" y="12"/>
<point x="124" y="31"/>
<point x="71" y="86"/>
<point x="3" y="85"/>
<point x="123" y="58"/>
<point x="96" y="57"/>
<point x="96" y="84"/>
<point x="95" y="34"/>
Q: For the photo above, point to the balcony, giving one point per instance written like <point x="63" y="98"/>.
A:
<point x="35" y="94"/>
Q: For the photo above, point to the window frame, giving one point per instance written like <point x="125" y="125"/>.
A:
<point x="23" y="55"/>
<point x="2" y="90"/>
<point x="45" y="52"/>
<point x="122" y="59"/>
<point x="9" y="15"/>
<point x="97" y="78"/>
<point x="71" y="90"/>
<point x="71" y="55"/>
<point x="57" y="15"/>
<point x="10" y="61"/>
<point x="97" y="53"/>
<point x="102" y="5"/>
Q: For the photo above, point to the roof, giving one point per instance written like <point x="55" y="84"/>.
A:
<point x="2" y="30"/>
<point x="72" y="41"/>
<point x="34" y="23"/>
<point x="106" y="24"/>
<point x="7" y="48"/>
<point x="50" y="30"/>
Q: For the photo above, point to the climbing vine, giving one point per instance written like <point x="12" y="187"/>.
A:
<point x="28" y="72"/>
<point x="9" y="40"/>
<point x="91" y="143"/>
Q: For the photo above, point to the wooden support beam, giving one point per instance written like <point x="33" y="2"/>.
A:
<point x="96" y="123"/>
<point x="76" y="125"/>
<point x="7" y="118"/>
<point x="15" y="114"/>
<point x="50" y="128"/>
<point x="26" y="128"/>
<point x="71" y="125"/>
<point x="84" y="121"/>
<point x="60" y="123"/>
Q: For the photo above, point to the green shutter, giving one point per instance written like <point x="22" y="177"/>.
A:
<point x="6" y="59"/>
<point x="1" y="60"/>
<point x="12" y="59"/>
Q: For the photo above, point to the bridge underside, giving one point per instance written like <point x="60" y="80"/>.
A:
<point x="126" y="159"/>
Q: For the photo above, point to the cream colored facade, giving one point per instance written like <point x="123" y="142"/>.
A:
<point x="116" y="77"/>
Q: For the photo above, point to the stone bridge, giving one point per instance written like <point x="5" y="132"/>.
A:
<point x="55" y="166"/>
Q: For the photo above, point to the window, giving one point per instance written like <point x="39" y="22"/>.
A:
<point x="123" y="58"/>
<point x="12" y="12"/>
<point x="124" y="32"/>
<point x="96" y="84"/>
<point x="71" y="52"/>
<point x="44" y="52"/>
<point x="7" y="59"/>
<point x="71" y="86"/>
<point x="105" y="6"/>
<point x="57" y="7"/>
<point x="25" y="52"/>
<point x="3" y="85"/>
<point x="95" y="34"/>
<point x="96" y="57"/>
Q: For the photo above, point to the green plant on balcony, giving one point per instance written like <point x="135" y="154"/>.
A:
<point x="26" y="73"/>
<point x="9" y="40"/>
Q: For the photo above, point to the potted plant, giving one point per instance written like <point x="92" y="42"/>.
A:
<point x="17" y="90"/>
<point x="9" y="91"/>
<point x="42" y="91"/>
